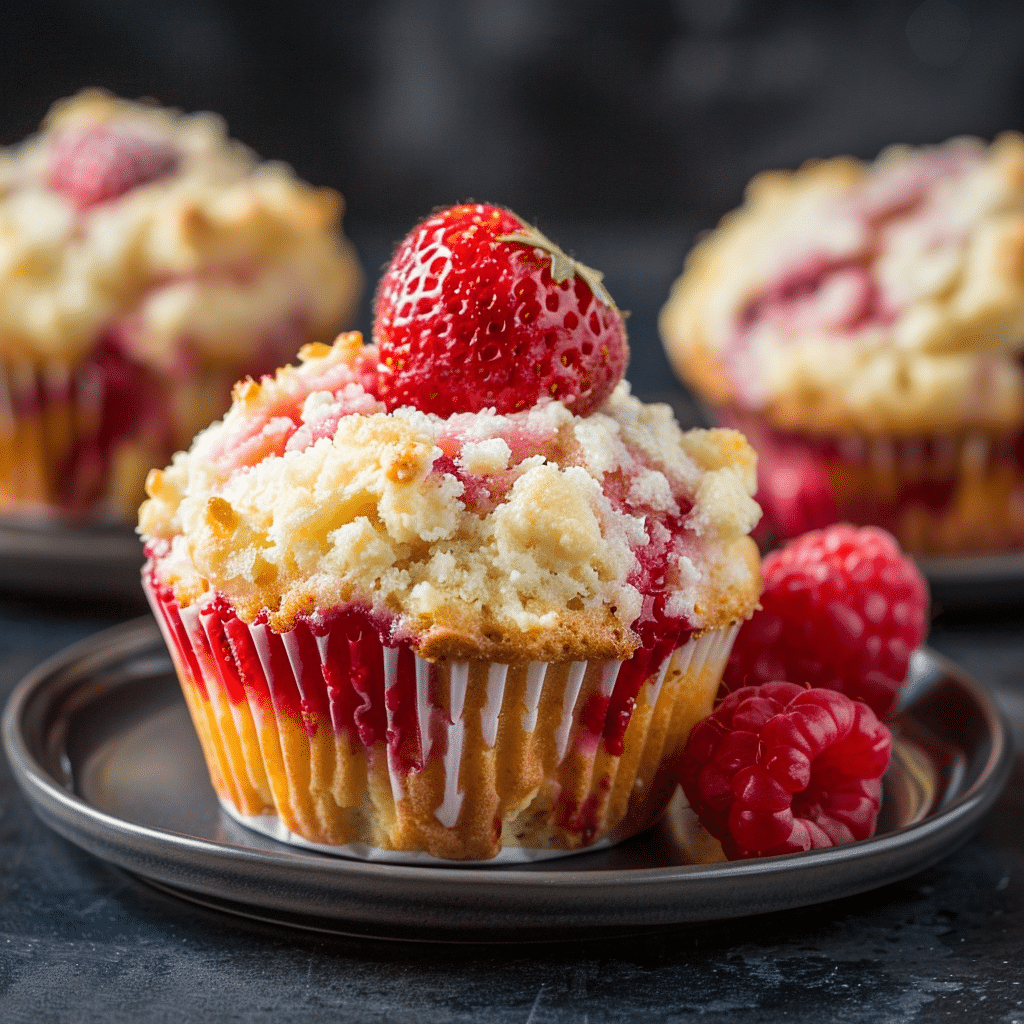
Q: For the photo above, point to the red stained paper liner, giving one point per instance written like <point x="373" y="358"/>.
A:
<point x="326" y="737"/>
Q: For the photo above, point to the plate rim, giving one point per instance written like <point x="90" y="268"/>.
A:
<point x="87" y="561"/>
<point x="173" y="860"/>
<point x="998" y="566"/>
<point x="85" y="541"/>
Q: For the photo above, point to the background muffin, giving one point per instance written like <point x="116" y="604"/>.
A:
<point x="149" y="262"/>
<point x="863" y="324"/>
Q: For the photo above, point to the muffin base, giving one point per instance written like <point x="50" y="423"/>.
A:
<point x="270" y="825"/>
<point x="78" y="440"/>
<point x="940" y="494"/>
<point x="360" y="746"/>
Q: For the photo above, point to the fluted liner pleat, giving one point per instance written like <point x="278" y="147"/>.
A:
<point x="45" y="408"/>
<point x="939" y="493"/>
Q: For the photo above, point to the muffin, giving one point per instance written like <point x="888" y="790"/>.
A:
<point x="480" y="635"/>
<point x="149" y="262"/>
<point x="862" y="324"/>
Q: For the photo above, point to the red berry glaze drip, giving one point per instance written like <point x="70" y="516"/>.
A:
<point x="659" y="632"/>
<point x="213" y="619"/>
<point x="178" y="637"/>
<point x="842" y="608"/>
<point x="354" y="689"/>
<point x="478" y="310"/>
<point x="780" y="768"/>
<point x="583" y="818"/>
<point x="245" y="660"/>
<point x="94" y="165"/>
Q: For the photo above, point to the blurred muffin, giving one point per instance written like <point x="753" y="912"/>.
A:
<point x="148" y="262"/>
<point x="465" y="635"/>
<point x="862" y="324"/>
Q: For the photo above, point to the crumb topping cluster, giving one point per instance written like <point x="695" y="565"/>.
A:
<point x="508" y="537"/>
<point x="883" y="297"/>
<point x="128" y="218"/>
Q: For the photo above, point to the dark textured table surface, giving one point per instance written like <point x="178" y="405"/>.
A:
<point x="81" y="940"/>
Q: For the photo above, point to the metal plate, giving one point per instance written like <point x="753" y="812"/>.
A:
<point x="101" y="562"/>
<point x="101" y="744"/>
<point x="975" y="581"/>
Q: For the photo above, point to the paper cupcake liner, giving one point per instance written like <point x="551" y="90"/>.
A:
<point x="44" y="406"/>
<point x="77" y="441"/>
<point x="938" y="494"/>
<point x="326" y="737"/>
<point x="74" y="435"/>
<point x="271" y="826"/>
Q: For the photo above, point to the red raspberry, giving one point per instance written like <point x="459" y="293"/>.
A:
<point x="842" y="608"/>
<point x="780" y="768"/>
<point x="92" y="165"/>
<point x="478" y="310"/>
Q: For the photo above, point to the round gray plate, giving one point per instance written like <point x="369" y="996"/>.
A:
<point x="101" y="744"/>
<point x="101" y="562"/>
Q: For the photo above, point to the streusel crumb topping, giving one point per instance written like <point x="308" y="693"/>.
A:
<point x="532" y="535"/>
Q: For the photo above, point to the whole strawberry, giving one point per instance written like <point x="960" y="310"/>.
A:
<point x="478" y="310"/>
<point x="781" y="768"/>
<point x="93" y="165"/>
<point x="842" y="608"/>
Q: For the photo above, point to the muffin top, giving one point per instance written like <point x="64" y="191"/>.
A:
<point x="883" y="297"/>
<point x="531" y="535"/>
<point x="128" y="220"/>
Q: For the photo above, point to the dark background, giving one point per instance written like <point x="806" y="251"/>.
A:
<point x="621" y="127"/>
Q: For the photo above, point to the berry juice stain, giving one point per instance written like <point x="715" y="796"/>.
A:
<point x="132" y="404"/>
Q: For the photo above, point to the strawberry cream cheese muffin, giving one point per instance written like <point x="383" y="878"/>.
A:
<point x="455" y="594"/>
<point x="863" y="325"/>
<point x="148" y="262"/>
